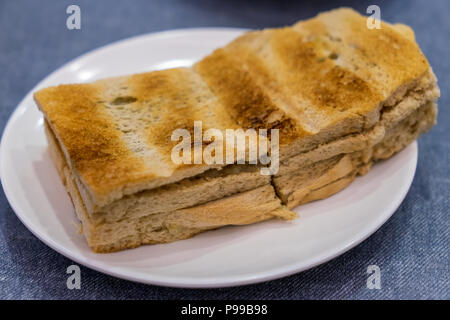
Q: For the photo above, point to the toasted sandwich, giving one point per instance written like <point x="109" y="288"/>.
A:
<point x="341" y="96"/>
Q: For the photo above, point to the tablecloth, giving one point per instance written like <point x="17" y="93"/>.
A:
<point x="411" y="249"/>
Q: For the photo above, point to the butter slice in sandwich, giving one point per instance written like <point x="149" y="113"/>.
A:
<point x="342" y="96"/>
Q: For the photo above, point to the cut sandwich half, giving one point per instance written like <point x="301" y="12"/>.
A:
<point x="341" y="95"/>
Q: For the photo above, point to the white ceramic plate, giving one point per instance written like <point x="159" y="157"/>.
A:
<point x="225" y="257"/>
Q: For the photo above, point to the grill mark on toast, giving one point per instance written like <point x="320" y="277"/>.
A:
<point x="98" y="153"/>
<point x="386" y="57"/>
<point x="398" y="58"/>
<point x="329" y="88"/>
<point x="133" y="115"/>
<point x="167" y="96"/>
<point x="177" y="98"/>
<point x="234" y="81"/>
<point x="164" y="104"/>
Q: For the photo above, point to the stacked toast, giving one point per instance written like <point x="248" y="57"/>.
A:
<point x="341" y="96"/>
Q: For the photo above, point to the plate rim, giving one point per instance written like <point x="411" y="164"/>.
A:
<point x="181" y="282"/>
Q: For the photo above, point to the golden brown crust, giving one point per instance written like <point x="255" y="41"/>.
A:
<point x="325" y="85"/>
<point x="389" y="56"/>
<point x="91" y="141"/>
<point x="236" y="79"/>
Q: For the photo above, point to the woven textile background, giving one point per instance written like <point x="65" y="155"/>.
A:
<point x="412" y="248"/>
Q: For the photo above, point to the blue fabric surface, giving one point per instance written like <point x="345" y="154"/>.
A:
<point x="412" y="248"/>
